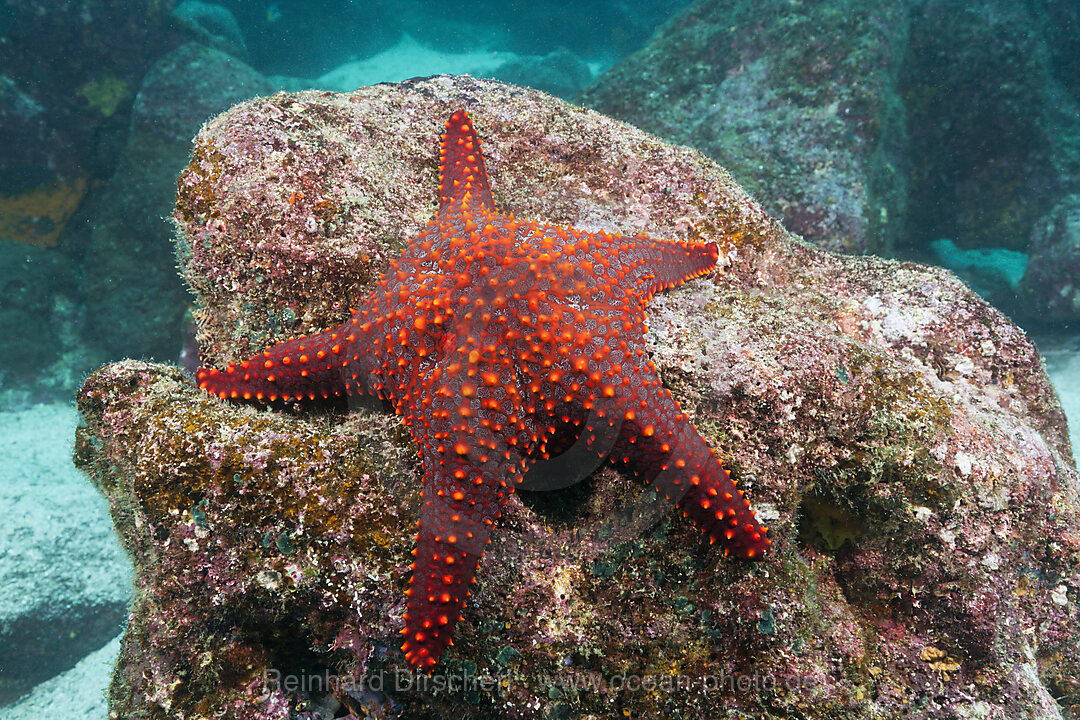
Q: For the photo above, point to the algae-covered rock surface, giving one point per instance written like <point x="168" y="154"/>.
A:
<point x="897" y="434"/>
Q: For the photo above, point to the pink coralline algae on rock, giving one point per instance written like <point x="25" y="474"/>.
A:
<point x="897" y="434"/>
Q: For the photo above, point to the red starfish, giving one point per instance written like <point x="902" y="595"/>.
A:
<point x="496" y="339"/>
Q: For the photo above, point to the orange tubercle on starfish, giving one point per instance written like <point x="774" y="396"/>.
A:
<point x="494" y="338"/>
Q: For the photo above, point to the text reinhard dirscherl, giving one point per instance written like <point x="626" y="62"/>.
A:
<point x="274" y="680"/>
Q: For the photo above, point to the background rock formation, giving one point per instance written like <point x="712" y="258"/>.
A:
<point x="871" y="126"/>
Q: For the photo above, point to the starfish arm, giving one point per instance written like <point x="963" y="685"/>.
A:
<point x="463" y="495"/>
<point x="302" y="368"/>
<point x="466" y="420"/>
<point x="463" y="179"/>
<point x="656" y="265"/>
<point x="660" y="444"/>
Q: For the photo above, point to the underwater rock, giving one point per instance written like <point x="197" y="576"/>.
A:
<point x="994" y="273"/>
<point x="1051" y="285"/>
<point x="32" y="280"/>
<point x="135" y="302"/>
<point x="76" y="64"/>
<point x="42" y="355"/>
<point x="1062" y="17"/>
<point x="796" y="100"/>
<point x="561" y="73"/>
<point x="993" y="140"/>
<point x="213" y="25"/>
<point x="41" y="185"/>
<point x="898" y="434"/>
<point x="865" y="125"/>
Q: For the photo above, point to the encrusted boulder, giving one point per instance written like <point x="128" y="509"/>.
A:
<point x="898" y="434"/>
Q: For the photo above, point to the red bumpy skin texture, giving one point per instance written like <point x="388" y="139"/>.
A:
<point x="495" y="339"/>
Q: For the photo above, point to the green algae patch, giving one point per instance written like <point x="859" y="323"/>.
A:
<point x="729" y="228"/>
<point x="198" y="203"/>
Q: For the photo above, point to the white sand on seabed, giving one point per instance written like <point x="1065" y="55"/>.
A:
<point x="36" y="444"/>
<point x="78" y="693"/>
<point x="39" y="486"/>
<point x="409" y="59"/>
<point x="1062" y="356"/>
